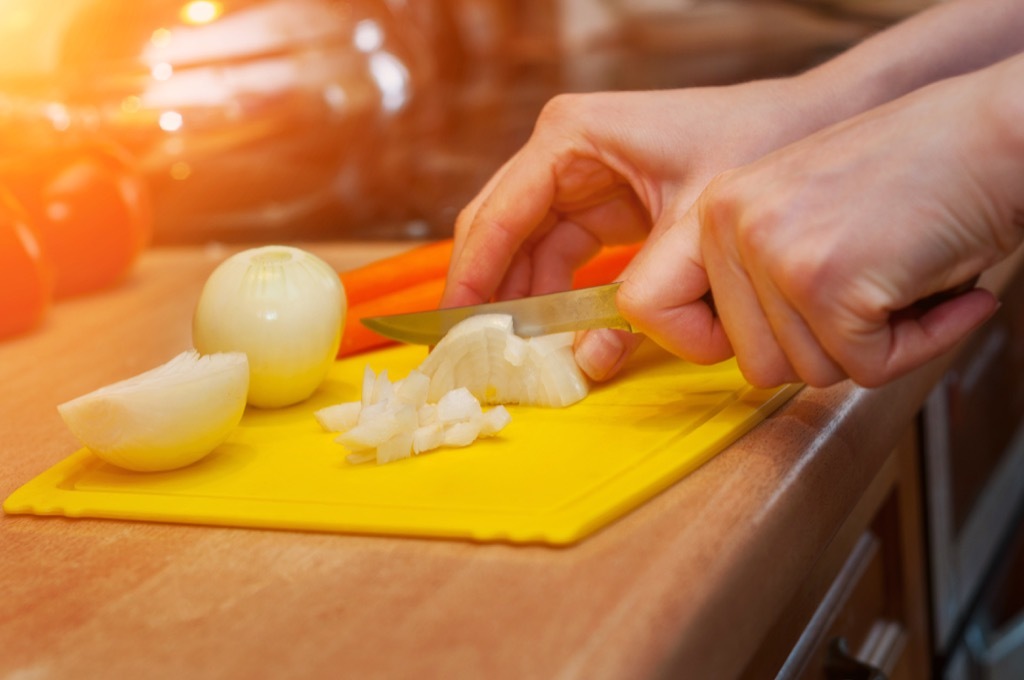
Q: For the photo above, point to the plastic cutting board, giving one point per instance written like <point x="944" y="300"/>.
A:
<point x="551" y="476"/>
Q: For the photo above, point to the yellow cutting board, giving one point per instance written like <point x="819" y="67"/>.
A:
<point x="551" y="476"/>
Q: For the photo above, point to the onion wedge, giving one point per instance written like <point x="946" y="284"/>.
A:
<point x="165" y="418"/>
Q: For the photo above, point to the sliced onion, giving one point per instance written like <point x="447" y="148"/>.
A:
<point x="484" y="355"/>
<point x="165" y="418"/>
<point x="284" y="307"/>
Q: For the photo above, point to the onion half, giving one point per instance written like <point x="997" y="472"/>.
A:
<point x="284" y="307"/>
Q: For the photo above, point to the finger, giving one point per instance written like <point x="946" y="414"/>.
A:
<point x="601" y="353"/>
<point x="662" y="295"/>
<point x="907" y="343"/>
<point x="517" y="202"/>
<point x="518" y="279"/>
<point x="465" y="218"/>
<point x="807" y="358"/>
<point x="765" y="324"/>
<point x="555" y="259"/>
<point x="759" y="355"/>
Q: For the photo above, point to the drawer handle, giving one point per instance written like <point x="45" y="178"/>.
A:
<point x="841" y="665"/>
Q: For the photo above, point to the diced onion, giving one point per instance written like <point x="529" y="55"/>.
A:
<point x="479" y="360"/>
<point x="394" y="420"/>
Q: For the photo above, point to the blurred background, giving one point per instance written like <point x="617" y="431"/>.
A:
<point x="271" y="119"/>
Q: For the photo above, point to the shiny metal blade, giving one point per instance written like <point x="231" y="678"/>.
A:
<point x="572" y="310"/>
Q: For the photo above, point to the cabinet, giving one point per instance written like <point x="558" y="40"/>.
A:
<point x="866" y="595"/>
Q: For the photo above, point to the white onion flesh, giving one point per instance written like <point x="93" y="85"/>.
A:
<point x="285" y="308"/>
<point x="484" y="355"/>
<point x="165" y="418"/>
<point x="392" y="421"/>
<point x="480" y="360"/>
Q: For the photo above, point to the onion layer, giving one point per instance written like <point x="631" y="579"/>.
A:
<point x="284" y="307"/>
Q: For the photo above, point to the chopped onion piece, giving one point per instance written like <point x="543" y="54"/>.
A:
<point x="494" y="421"/>
<point x="370" y="434"/>
<point x="427" y="414"/>
<point x="462" y="433"/>
<point x="361" y="457"/>
<point x="339" y="417"/>
<point x="392" y="421"/>
<point x="369" y="385"/>
<point x="413" y="388"/>
<point x="457" y="405"/>
<point x="427" y="437"/>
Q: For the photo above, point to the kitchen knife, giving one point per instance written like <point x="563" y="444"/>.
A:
<point x="572" y="310"/>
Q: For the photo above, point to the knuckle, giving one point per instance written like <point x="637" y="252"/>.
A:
<point x="719" y="206"/>
<point x="763" y="376"/>
<point x="562" y="107"/>
<point x="866" y="375"/>
<point x="464" y="219"/>
<point x="755" y="231"/>
<point x="634" y="305"/>
<point x="819" y="375"/>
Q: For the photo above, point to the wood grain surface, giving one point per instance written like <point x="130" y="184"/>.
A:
<point x="685" y="586"/>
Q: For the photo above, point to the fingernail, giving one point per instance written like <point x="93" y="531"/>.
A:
<point x="599" y="353"/>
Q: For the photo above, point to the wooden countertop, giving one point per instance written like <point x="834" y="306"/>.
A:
<point x="691" y="580"/>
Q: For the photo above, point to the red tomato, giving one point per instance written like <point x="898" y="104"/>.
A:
<point x="26" y="276"/>
<point x="92" y="212"/>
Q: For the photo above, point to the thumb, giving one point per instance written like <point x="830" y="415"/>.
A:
<point x="917" y="340"/>
<point x="665" y="295"/>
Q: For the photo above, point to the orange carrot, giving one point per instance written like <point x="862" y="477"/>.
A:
<point x="423" y="294"/>
<point x="605" y="266"/>
<point x="357" y="338"/>
<point x="381" y="277"/>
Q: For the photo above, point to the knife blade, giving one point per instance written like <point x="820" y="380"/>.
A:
<point x="572" y="310"/>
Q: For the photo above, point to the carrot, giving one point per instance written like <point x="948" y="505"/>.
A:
<point x="606" y="266"/>
<point x="410" y="267"/>
<point x="357" y="338"/>
<point x="423" y="294"/>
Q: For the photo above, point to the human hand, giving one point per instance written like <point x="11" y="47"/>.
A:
<point x="603" y="169"/>
<point x="817" y="252"/>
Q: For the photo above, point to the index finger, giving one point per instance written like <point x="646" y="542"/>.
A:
<point x="515" y="203"/>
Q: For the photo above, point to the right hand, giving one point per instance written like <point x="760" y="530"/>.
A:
<point x="604" y="169"/>
<point x="818" y="252"/>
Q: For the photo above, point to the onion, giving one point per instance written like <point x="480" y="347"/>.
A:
<point x="484" y="355"/>
<point x="165" y="418"/>
<point x="392" y="421"/>
<point x="284" y="307"/>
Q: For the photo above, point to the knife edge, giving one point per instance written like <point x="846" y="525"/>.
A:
<point x="579" y="309"/>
